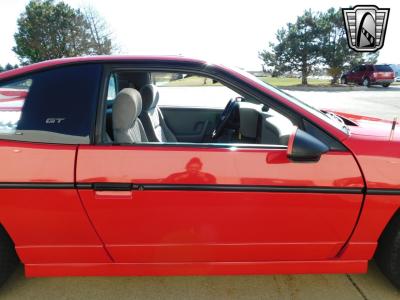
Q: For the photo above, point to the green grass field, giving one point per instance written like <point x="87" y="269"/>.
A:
<point x="276" y="81"/>
<point x="289" y="81"/>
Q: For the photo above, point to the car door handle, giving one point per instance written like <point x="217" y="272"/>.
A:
<point x="110" y="190"/>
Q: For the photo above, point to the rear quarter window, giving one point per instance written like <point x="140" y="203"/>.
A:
<point x="12" y="99"/>
<point x="53" y="106"/>
<point x="383" y="68"/>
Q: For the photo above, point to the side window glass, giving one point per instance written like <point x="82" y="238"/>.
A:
<point x="189" y="90"/>
<point x="51" y="106"/>
<point x="188" y="108"/>
<point x="12" y="99"/>
<point x="112" y="88"/>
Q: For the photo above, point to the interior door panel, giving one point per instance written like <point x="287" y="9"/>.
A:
<point x="191" y="124"/>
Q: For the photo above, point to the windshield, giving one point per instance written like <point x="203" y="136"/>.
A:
<point x="329" y="118"/>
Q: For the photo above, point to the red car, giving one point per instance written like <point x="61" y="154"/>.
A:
<point x="368" y="75"/>
<point x="121" y="166"/>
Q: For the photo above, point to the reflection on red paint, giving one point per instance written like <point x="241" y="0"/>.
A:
<point x="192" y="174"/>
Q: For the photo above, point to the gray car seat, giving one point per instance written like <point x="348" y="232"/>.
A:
<point x="127" y="128"/>
<point x="153" y="121"/>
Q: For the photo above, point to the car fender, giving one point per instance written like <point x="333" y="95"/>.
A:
<point x="379" y="162"/>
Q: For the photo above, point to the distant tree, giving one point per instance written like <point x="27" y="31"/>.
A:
<point x="100" y="35"/>
<point x="9" y="67"/>
<point x="362" y="58"/>
<point x="335" y="52"/>
<point x="297" y="47"/>
<point x="49" y="29"/>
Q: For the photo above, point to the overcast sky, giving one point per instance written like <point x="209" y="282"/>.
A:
<point x="224" y="31"/>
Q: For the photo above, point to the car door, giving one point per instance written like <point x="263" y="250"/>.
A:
<point x="350" y="75"/>
<point x="42" y="119"/>
<point x="354" y="75"/>
<point x="359" y="75"/>
<point x="185" y="203"/>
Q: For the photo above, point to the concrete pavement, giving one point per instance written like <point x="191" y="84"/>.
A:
<point x="367" y="286"/>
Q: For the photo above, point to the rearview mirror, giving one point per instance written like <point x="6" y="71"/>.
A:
<point x="304" y="147"/>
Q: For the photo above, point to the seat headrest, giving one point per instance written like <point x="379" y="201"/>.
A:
<point x="150" y="96"/>
<point x="126" y="108"/>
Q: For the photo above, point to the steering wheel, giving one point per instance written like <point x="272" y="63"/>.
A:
<point x="225" y="118"/>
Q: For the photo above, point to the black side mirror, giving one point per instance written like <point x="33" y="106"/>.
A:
<point x="303" y="147"/>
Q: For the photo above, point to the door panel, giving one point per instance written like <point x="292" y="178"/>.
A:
<point x="359" y="75"/>
<point x="200" y="204"/>
<point x="353" y="75"/>
<point x="40" y="207"/>
<point x="350" y="76"/>
<point x="191" y="124"/>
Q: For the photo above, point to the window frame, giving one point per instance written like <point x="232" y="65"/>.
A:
<point x="204" y="70"/>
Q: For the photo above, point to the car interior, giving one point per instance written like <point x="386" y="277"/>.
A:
<point x="134" y="114"/>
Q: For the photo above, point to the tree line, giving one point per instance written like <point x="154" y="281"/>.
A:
<point x="8" y="67"/>
<point x="315" y="39"/>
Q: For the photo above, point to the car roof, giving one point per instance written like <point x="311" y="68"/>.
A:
<point x="101" y="58"/>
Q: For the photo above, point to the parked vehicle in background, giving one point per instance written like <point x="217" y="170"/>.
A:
<point x="396" y="70"/>
<point x="367" y="75"/>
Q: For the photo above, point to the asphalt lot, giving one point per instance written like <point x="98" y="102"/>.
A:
<point x="374" y="101"/>
<point x="378" y="102"/>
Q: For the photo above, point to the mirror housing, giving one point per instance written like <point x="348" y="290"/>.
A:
<point x="303" y="147"/>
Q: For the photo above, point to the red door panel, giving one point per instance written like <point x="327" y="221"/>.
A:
<point x="40" y="207"/>
<point x="200" y="204"/>
<point x="31" y="162"/>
